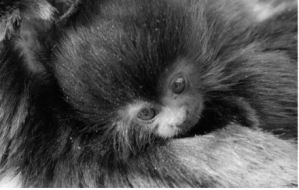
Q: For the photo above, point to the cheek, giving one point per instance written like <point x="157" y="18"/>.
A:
<point x="195" y="106"/>
<point x="195" y="109"/>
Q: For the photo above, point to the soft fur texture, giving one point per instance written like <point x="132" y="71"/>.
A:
<point x="64" y="81"/>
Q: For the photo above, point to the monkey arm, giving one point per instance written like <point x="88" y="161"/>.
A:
<point x="235" y="156"/>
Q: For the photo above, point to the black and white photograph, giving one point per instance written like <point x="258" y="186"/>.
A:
<point x="148" y="94"/>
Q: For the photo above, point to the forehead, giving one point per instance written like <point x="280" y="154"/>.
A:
<point x="138" y="26"/>
<point x="139" y="34"/>
<point x="128" y="47"/>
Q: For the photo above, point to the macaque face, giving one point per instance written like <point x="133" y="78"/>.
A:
<point x="178" y="109"/>
<point x="127" y="74"/>
<point x="147" y="93"/>
<point x="172" y="105"/>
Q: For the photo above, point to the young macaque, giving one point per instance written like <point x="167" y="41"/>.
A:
<point x="148" y="93"/>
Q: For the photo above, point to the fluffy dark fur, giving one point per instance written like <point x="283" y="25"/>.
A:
<point x="60" y="102"/>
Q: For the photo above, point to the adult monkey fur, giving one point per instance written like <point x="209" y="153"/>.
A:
<point x="52" y="94"/>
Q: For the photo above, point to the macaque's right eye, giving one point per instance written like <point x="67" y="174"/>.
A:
<point x="178" y="85"/>
<point x="147" y="114"/>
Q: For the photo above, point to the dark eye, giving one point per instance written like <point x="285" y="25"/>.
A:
<point x="147" y="114"/>
<point x="178" y="85"/>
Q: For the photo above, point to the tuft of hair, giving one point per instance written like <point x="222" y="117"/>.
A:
<point x="262" y="10"/>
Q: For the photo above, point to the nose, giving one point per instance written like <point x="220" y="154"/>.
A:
<point x="177" y="117"/>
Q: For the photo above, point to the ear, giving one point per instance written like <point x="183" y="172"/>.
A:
<point x="262" y="10"/>
<point x="15" y="14"/>
<point x="27" y="26"/>
<point x="21" y="23"/>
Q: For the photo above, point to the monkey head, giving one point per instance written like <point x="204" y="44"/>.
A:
<point x="104" y="94"/>
<point x="127" y="77"/>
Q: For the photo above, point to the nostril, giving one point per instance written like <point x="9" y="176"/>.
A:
<point x="187" y="113"/>
<point x="184" y="115"/>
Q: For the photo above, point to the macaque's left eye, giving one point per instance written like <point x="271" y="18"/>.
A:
<point x="178" y="85"/>
<point x="147" y="114"/>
